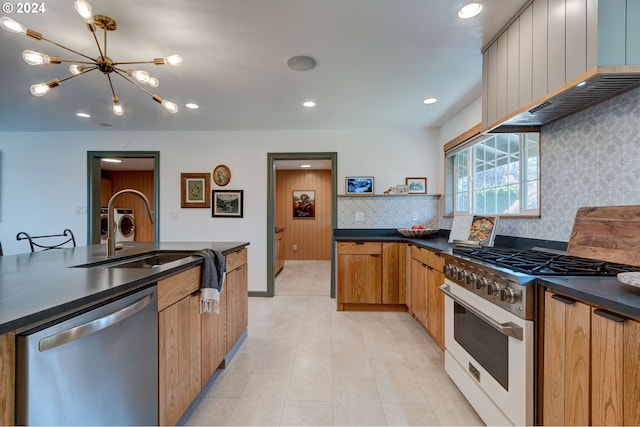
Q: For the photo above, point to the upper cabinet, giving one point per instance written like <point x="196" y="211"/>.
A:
<point x="531" y="67"/>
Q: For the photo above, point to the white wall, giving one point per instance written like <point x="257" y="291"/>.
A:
<point x="462" y="122"/>
<point x="43" y="177"/>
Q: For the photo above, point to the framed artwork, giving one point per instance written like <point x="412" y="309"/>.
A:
<point x="416" y="185"/>
<point x="359" y="185"/>
<point x="304" y="204"/>
<point x="221" y="175"/>
<point x="227" y="203"/>
<point x="194" y="190"/>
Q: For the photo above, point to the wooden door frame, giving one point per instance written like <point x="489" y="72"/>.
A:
<point x="93" y="189"/>
<point x="271" y="211"/>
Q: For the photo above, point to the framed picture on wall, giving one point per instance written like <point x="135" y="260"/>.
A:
<point x="416" y="185"/>
<point x="304" y="204"/>
<point x="359" y="185"/>
<point x="227" y="203"/>
<point x="194" y="190"/>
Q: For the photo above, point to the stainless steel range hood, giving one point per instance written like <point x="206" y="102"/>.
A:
<point x="587" y="90"/>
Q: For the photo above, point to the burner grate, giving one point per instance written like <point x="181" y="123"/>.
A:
<point x="542" y="263"/>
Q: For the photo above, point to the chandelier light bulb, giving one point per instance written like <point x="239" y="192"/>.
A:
<point x="76" y="69"/>
<point x="169" y="106"/>
<point x="141" y="76"/>
<point x="153" y="82"/>
<point x="84" y="10"/>
<point x="117" y="107"/>
<point x="175" y="60"/>
<point x="40" y="89"/>
<point x="10" y="25"/>
<point x="35" y="58"/>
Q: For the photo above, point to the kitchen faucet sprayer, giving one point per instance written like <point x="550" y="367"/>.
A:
<point x="111" y="241"/>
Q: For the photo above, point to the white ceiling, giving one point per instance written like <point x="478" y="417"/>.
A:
<point x="377" y="61"/>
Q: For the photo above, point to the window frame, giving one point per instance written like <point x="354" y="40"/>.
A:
<point x="524" y="182"/>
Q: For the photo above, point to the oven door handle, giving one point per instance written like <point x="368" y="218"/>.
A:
<point x="510" y="329"/>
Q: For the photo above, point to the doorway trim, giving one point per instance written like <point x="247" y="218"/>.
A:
<point x="271" y="211"/>
<point x="93" y="189"/>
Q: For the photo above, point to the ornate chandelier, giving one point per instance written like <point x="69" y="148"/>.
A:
<point x="102" y="62"/>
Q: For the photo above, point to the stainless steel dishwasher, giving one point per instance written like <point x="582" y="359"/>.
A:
<point x="99" y="367"/>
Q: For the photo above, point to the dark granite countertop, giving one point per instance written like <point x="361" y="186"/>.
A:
<point x="605" y="292"/>
<point x="35" y="287"/>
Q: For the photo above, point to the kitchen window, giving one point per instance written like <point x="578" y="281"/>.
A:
<point x="495" y="174"/>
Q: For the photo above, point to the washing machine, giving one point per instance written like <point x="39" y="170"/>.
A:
<point x="104" y="224"/>
<point x="126" y="225"/>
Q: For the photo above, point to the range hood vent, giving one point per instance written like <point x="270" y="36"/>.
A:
<point x="600" y="85"/>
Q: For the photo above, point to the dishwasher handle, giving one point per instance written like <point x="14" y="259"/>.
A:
<point x="52" y="341"/>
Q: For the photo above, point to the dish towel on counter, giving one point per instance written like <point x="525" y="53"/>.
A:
<point x="214" y="271"/>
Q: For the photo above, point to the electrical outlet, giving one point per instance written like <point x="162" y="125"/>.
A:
<point x="295" y="247"/>
<point x="81" y="210"/>
<point x="416" y="217"/>
<point x="359" y="216"/>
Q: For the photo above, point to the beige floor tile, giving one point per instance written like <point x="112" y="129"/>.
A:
<point x="229" y="384"/>
<point x="256" y="411"/>
<point x="298" y="413"/>
<point x="449" y="404"/>
<point x="271" y="386"/>
<point x="409" y="415"/>
<point x="358" y="413"/>
<point x="212" y="412"/>
<point x="350" y="362"/>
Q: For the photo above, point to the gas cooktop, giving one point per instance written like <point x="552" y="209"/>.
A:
<point x="543" y="262"/>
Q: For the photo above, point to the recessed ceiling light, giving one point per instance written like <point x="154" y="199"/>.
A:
<point x="192" y="106"/>
<point x="470" y="10"/>
<point x="309" y="104"/>
<point x="83" y="115"/>
<point x="430" y="101"/>
<point x="305" y="165"/>
<point x="108" y="160"/>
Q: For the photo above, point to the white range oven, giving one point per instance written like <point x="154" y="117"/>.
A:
<point x="490" y="324"/>
<point x="489" y="340"/>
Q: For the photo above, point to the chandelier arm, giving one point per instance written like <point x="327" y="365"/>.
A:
<point x="76" y="75"/>
<point x="113" y="92"/>
<point x="134" y="62"/>
<point x="122" y="74"/>
<point x="98" y="43"/>
<point x="70" y="50"/>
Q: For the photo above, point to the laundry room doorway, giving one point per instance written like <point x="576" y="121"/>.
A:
<point x="111" y="171"/>
<point x="301" y="211"/>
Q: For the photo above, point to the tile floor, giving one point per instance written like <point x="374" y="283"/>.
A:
<point x="304" y="363"/>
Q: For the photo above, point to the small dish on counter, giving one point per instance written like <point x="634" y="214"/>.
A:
<point x="418" y="232"/>
<point x="630" y="278"/>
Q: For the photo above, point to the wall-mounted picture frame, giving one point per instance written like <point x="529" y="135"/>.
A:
<point x="304" y="204"/>
<point x="195" y="190"/>
<point x="227" y="203"/>
<point x="221" y="175"/>
<point x="359" y="185"/>
<point x="416" y="185"/>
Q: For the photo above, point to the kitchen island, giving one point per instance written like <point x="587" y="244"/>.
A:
<point x="37" y="288"/>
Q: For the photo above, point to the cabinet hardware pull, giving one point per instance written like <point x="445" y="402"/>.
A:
<point x="195" y="293"/>
<point x="375" y="255"/>
<point x="563" y="299"/>
<point x="359" y="243"/>
<point x="609" y="315"/>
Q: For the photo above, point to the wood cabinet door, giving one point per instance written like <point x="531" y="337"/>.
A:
<point x="236" y="288"/>
<point x="567" y="361"/>
<point x="607" y="385"/>
<point x="393" y="273"/>
<point x="419" y="291"/>
<point x="435" y="306"/>
<point x="7" y="379"/>
<point x="179" y="358"/>
<point x="631" y="372"/>
<point x="359" y="279"/>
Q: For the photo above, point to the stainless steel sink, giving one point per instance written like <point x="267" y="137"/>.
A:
<point x="148" y="260"/>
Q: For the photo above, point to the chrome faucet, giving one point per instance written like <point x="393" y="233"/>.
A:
<point x="111" y="241"/>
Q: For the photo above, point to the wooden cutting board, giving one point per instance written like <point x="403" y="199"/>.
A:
<point x="607" y="233"/>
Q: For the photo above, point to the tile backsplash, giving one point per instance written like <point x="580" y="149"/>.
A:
<point x="388" y="211"/>
<point x="591" y="158"/>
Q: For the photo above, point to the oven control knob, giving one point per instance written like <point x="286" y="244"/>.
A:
<point x="481" y="282"/>
<point x="509" y="295"/>
<point x="448" y="269"/>
<point x="471" y="279"/>
<point x="493" y="288"/>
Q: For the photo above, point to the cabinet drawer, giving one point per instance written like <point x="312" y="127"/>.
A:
<point x="236" y="259"/>
<point x="174" y="288"/>
<point x="436" y="260"/>
<point x="420" y="254"/>
<point x="359" y="248"/>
